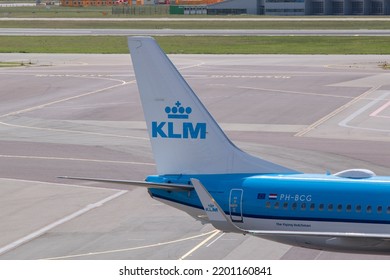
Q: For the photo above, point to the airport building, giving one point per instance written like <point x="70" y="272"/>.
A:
<point x="301" y="7"/>
<point x="254" y="7"/>
<point x="236" y="7"/>
<point x="86" y="3"/>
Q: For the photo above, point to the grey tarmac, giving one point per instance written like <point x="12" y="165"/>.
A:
<point x="189" y="32"/>
<point x="80" y="115"/>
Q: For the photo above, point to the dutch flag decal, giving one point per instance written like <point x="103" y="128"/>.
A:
<point x="273" y="196"/>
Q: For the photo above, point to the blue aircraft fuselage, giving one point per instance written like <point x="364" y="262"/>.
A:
<point x="287" y="198"/>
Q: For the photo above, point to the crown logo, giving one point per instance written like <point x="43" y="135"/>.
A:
<point x="178" y="111"/>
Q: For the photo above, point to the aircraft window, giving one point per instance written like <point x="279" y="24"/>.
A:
<point x="348" y="208"/>
<point x="369" y="209"/>
<point x="294" y="206"/>
<point x="321" y="207"/>
<point x="379" y="209"/>
<point x="388" y="210"/>
<point x="303" y="206"/>
<point x="276" y="205"/>
<point x="285" y="205"/>
<point x="330" y="207"/>
<point x="339" y="207"/>
<point x="358" y="208"/>
<point x="312" y="206"/>
<point x="268" y="204"/>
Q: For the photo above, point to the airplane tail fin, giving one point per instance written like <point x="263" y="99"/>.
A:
<point x="184" y="136"/>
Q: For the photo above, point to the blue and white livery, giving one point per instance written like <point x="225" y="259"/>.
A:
<point x="201" y="172"/>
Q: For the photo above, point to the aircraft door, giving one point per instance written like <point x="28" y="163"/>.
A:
<point x="235" y="205"/>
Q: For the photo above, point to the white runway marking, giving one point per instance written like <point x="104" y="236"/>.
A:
<point x="137" y="248"/>
<point x="199" y="245"/>
<point x="73" y="131"/>
<point x="45" y="229"/>
<point x="215" y="240"/>
<point x="344" y="123"/>
<point x="77" y="159"/>
<point x="336" y="112"/>
<point x="38" y="107"/>
<point x="66" y="99"/>
<point x="294" y="92"/>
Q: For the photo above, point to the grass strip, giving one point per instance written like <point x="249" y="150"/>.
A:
<point x="11" y="64"/>
<point x="201" y="44"/>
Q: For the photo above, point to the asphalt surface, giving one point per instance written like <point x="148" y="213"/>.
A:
<point x="80" y="115"/>
<point x="188" y="32"/>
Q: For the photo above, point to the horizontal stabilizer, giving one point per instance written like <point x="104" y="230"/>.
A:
<point x="134" y="183"/>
